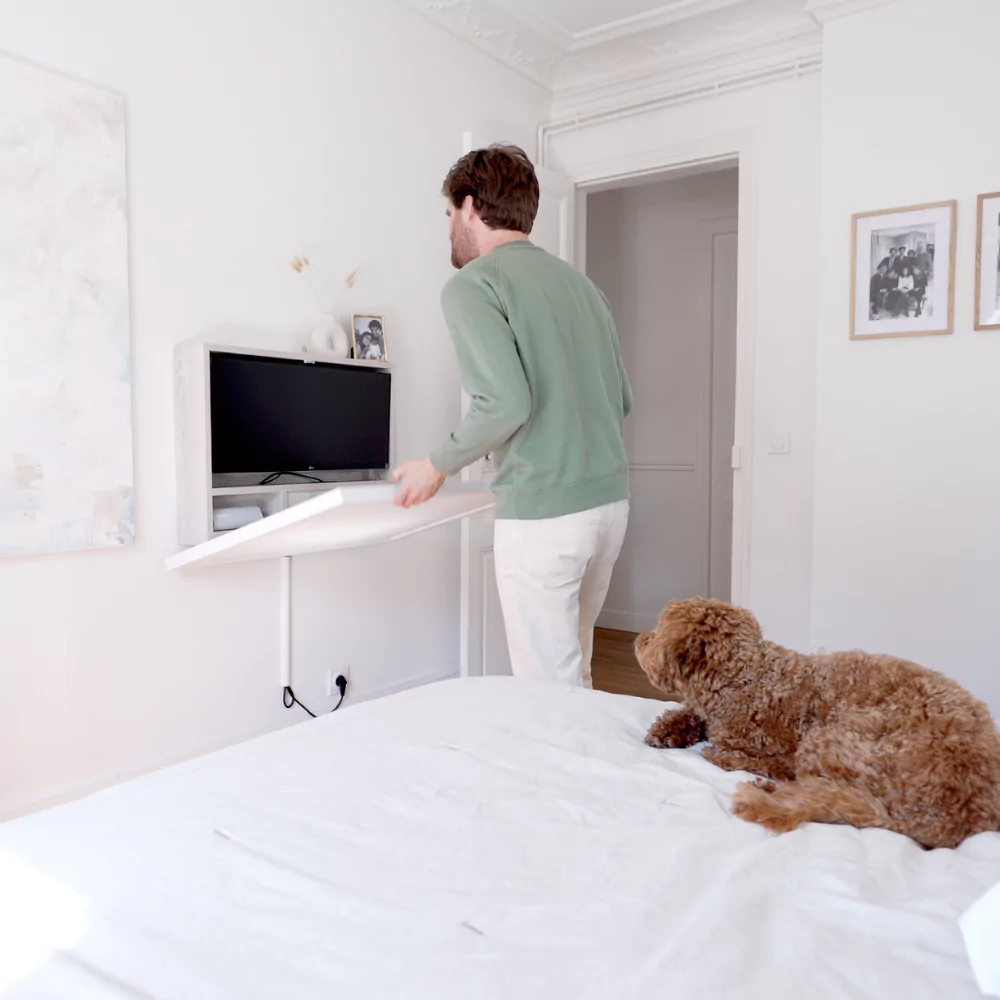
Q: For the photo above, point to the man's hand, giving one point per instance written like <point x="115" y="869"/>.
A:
<point x="418" y="482"/>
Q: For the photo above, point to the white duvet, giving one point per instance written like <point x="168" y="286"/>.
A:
<point x="473" y="839"/>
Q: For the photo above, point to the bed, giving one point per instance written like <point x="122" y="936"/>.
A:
<point x="479" y="838"/>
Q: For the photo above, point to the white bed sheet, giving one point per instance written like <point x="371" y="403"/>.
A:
<point x="473" y="839"/>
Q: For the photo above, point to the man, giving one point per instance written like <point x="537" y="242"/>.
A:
<point x="372" y="342"/>
<point x="878" y="289"/>
<point x="539" y="357"/>
<point x="888" y="262"/>
<point x="923" y="259"/>
<point x="919" y="288"/>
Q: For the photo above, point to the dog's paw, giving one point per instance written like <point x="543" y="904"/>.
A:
<point x="676" y="728"/>
<point x="665" y="738"/>
<point x="765" y="784"/>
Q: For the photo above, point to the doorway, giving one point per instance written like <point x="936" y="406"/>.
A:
<point x="664" y="252"/>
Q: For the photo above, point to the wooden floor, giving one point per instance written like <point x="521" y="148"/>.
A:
<point x="615" y="668"/>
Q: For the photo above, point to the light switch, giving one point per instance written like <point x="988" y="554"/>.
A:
<point x="779" y="443"/>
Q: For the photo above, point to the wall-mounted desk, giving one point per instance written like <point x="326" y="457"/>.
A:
<point x="346" y="517"/>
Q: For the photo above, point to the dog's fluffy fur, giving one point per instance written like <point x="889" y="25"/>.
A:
<point x="871" y="741"/>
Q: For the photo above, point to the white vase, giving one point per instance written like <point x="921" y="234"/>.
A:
<point x="329" y="337"/>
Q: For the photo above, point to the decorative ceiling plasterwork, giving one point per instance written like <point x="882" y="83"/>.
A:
<point x="826" y="10"/>
<point x="677" y="40"/>
<point x="494" y="29"/>
<point x="700" y="44"/>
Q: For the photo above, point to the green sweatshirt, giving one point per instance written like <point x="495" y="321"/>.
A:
<point x="539" y="357"/>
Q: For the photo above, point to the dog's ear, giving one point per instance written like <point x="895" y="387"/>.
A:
<point x="731" y="635"/>
<point x="737" y="632"/>
<point x="702" y="633"/>
<point x="680" y="634"/>
<point x="672" y="652"/>
<point x="654" y="651"/>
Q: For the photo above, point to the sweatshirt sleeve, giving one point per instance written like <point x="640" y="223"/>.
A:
<point x="491" y="372"/>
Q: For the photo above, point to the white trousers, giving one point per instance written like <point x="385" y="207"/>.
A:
<point x="553" y="576"/>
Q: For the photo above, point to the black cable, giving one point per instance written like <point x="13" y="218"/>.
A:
<point x="290" y="701"/>
<point x="275" y="476"/>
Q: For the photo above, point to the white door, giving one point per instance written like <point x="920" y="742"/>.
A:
<point x="665" y="255"/>
<point x="484" y="640"/>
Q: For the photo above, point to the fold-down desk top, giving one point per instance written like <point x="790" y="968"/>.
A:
<point x="350" y="515"/>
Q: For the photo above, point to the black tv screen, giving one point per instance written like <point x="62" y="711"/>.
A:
<point x="278" y="415"/>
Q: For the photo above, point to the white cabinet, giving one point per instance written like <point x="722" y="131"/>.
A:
<point x="199" y="492"/>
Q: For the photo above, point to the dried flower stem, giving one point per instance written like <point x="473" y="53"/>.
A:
<point x="301" y="266"/>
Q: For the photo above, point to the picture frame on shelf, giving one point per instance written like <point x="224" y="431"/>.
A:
<point x="903" y="271"/>
<point x="368" y="337"/>
<point x="988" y="262"/>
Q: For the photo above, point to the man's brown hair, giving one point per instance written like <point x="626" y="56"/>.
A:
<point x="502" y="183"/>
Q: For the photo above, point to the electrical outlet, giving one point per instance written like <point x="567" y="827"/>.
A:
<point x="331" y="680"/>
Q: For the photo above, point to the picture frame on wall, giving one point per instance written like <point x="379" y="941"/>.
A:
<point x="368" y="338"/>
<point x="903" y="271"/>
<point x="988" y="262"/>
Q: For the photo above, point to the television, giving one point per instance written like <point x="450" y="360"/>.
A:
<point x="278" y="415"/>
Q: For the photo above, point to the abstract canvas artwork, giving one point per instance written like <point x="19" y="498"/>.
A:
<point x="66" y="471"/>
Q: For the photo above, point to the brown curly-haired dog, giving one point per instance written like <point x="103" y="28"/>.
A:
<point x="853" y="738"/>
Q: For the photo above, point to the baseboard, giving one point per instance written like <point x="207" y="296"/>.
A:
<point x="405" y="685"/>
<point x="75" y="792"/>
<point x="626" y="621"/>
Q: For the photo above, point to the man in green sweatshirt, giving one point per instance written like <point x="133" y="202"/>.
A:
<point x="539" y="357"/>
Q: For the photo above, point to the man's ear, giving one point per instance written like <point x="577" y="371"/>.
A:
<point x="468" y="209"/>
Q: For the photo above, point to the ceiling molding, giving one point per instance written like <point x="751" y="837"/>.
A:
<point x="493" y="29"/>
<point x="799" y="54"/>
<point x="720" y="35"/>
<point x="827" y="10"/>
<point x="670" y="13"/>
<point x="637" y="54"/>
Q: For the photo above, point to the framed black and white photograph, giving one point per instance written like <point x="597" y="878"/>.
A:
<point x="988" y="263"/>
<point x="369" y="338"/>
<point x="903" y="280"/>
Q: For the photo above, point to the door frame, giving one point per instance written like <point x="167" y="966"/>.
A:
<point x="662" y="163"/>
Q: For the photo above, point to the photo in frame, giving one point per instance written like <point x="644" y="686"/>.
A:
<point x="368" y="334"/>
<point x="988" y="263"/>
<point x="903" y="272"/>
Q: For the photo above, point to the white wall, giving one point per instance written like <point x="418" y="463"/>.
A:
<point x="907" y="535"/>
<point x="257" y="130"/>
<point x="651" y="250"/>
<point x="783" y="121"/>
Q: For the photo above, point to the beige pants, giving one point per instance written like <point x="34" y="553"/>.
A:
<point x="553" y="576"/>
